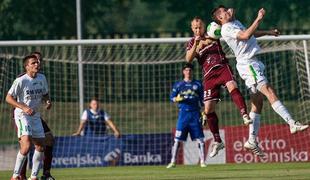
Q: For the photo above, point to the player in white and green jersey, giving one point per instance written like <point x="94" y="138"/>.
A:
<point x="245" y="47"/>
<point x="26" y="95"/>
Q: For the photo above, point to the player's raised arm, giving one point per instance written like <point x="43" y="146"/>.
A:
<point x="198" y="29"/>
<point x="246" y="34"/>
<point x="273" y="32"/>
<point x="191" y="53"/>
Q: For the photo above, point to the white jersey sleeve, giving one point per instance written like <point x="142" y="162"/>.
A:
<point x="229" y="31"/>
<point x="84" y="116"/>
<point x="15" y="88"/>
<point x="106" y="116"/>
<point x="244" y="50"/>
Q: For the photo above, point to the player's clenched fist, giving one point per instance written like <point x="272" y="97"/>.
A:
<point x="261" y="14"/>
<point x="28" y="110"/>
<point x="178" y="98"/>
<point x="203" y="118"/>
<point x="48" y="104"/>
<point x="275" y="32"/>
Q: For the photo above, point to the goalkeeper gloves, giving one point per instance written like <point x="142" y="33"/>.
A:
<point x="203" y="118"/>
<point x="178" y="98"/>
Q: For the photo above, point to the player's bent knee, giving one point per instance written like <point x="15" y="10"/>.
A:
<point x="231" y="85"/>
<point x="269" y="92"/>
<point x="24" y="149"/>
<point x="49" y="139"/>
<point x="209" y="107"/>
<point x="200" y="141"/>
<point x="39" y="143"/>
<point x="39" y="148"/>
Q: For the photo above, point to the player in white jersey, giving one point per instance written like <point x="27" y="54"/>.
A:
<point x="244" y="45"/>
<point x="26" y="95"/>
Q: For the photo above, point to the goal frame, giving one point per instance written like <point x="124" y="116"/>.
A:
<point x="82" y="42"/>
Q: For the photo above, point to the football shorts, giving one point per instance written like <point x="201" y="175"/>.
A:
<point x="29" y="126"/>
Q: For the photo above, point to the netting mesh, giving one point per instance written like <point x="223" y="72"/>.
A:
<point x="133" y="83"/>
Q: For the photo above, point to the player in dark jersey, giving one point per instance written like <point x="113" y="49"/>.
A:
<point x="216" y="73"/>
<point x="188" y="93"/>
<point x="49" y="142"/>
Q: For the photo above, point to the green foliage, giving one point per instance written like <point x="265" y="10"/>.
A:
<point x="53" y="19"/>
<point x="34" y="19"/>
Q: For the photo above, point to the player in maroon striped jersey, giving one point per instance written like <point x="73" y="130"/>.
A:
<point x="216" y="73"/>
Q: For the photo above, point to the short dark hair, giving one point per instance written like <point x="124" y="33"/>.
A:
<point x="213" y="13"/>
<point x="188" y="65"/>
<point x="26" y="59"/>
<point x="38" y="55"/>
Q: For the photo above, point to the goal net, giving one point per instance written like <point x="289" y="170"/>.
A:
<point x="132" y="80"/>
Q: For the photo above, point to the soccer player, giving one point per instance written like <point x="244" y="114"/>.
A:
<point x="49" y="142"/>
<point x="216" y="73"/>
<point x="94" y="120"/>
<point x="244" y="45"/>
<point x="26" y="95"/>
<point x="188" y="94"/>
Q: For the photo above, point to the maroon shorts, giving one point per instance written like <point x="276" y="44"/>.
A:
<point x="213" y="81"/>
<point x="45" y="127"/>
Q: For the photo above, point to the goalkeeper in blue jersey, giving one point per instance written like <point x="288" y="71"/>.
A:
<point x="188" y="93"/>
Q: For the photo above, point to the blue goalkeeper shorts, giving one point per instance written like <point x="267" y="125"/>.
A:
<point x="188" y="122"/>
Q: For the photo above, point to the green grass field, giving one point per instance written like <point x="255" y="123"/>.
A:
<point x="225" y="171"/>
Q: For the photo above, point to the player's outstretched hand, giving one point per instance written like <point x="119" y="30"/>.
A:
<point x="117" y="134"/>
<point x="261" y="14"/>
<point x="178" y="98"/>
<point x="274" y="32"/>
<point x="76" y="134"/>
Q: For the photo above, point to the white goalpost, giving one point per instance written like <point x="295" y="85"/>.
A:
<point x="132" y="78"/>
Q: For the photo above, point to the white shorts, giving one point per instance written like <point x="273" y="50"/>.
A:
<point x="29" y="126"/>
<point x="252" y="73"/>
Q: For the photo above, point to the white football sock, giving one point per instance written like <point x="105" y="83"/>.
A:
<point x="201" y="147"/>
<point x="36" y="159"/>
<point x="174" y="150"/>
<point x="20" y="159"/>
<point x="254" y="127"/>
<point x="279" y="108"/>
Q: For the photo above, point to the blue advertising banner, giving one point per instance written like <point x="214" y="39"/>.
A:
<point x="137" y="149"/>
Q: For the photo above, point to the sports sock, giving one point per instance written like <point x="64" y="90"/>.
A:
<point x="254" y="127"/>
<point x="201" y="147"/>
<point x="20" y="159"/>
<point x="47" y="162"/>
<point x="24" y="168"/>
<point x="174" y="150"/>
<point x="279" y="108"/>
<point x="36" y="159"/>
<point x="213" y="124"/>
<point x="239" y="101"/>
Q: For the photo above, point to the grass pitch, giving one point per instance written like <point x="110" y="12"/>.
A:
<point x="279" y="171"/>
